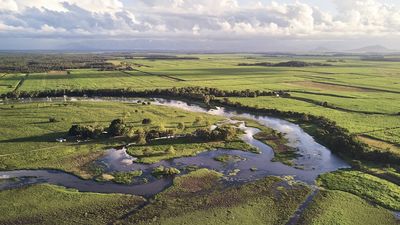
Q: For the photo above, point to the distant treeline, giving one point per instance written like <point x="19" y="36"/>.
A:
<point x="169" y="57"/>
<point x="34" y="63"/>
<point x="37" y="63"/>
<point x="379" y="59"/>
<point x="285" y="64"/>
<point x="338" y="139"/>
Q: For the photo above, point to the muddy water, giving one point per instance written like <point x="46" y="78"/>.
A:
<point x="315" y="159"/>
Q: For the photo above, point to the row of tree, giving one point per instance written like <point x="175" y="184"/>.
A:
<point x="204" y="94"/>
<point x="119" y="128"/>
<point x="33" y="63"/>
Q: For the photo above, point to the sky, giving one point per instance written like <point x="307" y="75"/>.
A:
<point x="198" y="25"/>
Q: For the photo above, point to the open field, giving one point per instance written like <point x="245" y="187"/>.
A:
<point x="48" y="204"/>
<point x="364" y="185"/>
<point x="332" y="207"/>
<point x="28" y="139"/>
<point x="9" y="82"/>
<point x="361" y="96"/>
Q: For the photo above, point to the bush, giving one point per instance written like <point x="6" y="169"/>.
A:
<point x="52" y="120"/>
<point x="165" y="171"/>
<point x="225" y="133"/>
<point x="86" y="131"/>
<point x="146" y="121"/>
<point x="117" y="128"/>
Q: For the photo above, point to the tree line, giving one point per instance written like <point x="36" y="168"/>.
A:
<point x="119" y="128"/>
<point x="204" y="94"/>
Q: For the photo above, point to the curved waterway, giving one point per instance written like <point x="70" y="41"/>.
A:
<point x="315" y="159"/>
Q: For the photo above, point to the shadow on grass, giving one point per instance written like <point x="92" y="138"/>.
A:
<point x="50" y="137"/>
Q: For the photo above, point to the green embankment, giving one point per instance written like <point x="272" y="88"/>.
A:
<point x="48" y="204"/>
<point x="198" y="198"/>
<point x="336" y="207"/>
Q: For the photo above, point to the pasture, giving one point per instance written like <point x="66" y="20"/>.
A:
<point x="362" y="95"/>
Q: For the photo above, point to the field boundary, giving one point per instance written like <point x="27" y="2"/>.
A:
<point x="372" y="131"/>
<point x="322" y="94"/>
<point x="159" y="75"/>
<point x="21" y="82"/>
<point x="317" y="103"/>
<point x="360" y="87"/>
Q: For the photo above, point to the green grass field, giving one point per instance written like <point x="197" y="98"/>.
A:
<point x="48" y="204"/>
<point x="354" y="86"/>
<point x="336" y="207"/>
<point x="28" y="139"/>
<point x="364" y="185"/>
<point x="198" y="198"/>
<point x="361" y="96"/>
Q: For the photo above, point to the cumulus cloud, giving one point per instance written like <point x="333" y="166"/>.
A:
<point x="195" y="18"/>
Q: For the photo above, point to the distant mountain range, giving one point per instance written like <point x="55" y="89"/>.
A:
<point x="372" y="49"/>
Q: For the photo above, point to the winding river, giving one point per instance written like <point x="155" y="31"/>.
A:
<point x="315" y="159"/>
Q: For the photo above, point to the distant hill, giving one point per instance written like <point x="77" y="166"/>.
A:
<point x="321" y="49"/>
<point x="372" y="49"/>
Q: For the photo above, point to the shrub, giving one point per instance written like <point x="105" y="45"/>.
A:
<point x="52" y="120"/>
<point x="165" y="171"/>
<point x="86" y="131"/>
<point x="146" y="121"/>
<point x="117" y="128"/>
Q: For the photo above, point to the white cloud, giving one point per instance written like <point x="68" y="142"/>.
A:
<point x="8" y="5"/>
<point x="196" y="18"/>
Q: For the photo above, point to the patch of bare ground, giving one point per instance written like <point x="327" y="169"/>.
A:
<point x="378" y="143"/>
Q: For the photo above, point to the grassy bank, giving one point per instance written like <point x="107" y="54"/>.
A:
<point x="199" y="198"/>
<point x="364" y="185"/>
<point x="336" y="207"/>
<point x="274" y="139"/>
<point x="28" y="138"/>
<point x="48" y="204"/>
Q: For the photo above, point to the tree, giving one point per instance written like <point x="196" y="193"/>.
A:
<point x="86" y="131"/>
<point x="52" y="120"/>
<point x="74" y="131"/>
<point x="117" y="128"/>
<point x="146" y="121"/>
